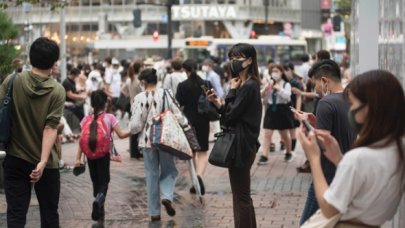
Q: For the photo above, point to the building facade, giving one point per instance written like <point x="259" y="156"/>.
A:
<point x="91" y="23"/>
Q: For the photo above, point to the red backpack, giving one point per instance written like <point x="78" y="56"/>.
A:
<point x="103" y="138"/>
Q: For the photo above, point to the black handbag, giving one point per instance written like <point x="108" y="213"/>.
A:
<point x="5" y="114"/>
<point x="223" y="152"/>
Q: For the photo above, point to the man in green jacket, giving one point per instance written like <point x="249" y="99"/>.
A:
<point x="31" y="159"/>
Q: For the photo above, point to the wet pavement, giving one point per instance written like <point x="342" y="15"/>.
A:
<point x="278" y="193"/>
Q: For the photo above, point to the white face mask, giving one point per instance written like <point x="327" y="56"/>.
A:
<point x="276" y="75"/>
<point x="205" y="68"/>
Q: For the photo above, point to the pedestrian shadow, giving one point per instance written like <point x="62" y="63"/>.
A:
<point x="160" y="224"/>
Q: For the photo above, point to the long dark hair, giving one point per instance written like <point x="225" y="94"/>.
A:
<point x="383" y="94"/>
<point x="247" y="51"/>
<point x="98" y="100"/>
<point x="190" y="66"/>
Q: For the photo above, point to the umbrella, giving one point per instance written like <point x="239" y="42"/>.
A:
<point x="194" y="179"/>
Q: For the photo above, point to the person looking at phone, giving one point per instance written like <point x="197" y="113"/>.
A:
<point x="331" y="115"/>
<point x="188" y="94"/>
<point x="278" y="115"/>
<point x="369" y="180"/>
<point x="242" y="111"/>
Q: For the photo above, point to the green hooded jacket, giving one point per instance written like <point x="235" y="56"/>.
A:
<point x="37" y="103"/>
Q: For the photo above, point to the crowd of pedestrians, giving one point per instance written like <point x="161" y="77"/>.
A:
<point x="348" y="130"/>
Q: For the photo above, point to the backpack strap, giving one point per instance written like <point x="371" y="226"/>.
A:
<point x="9" y="95"/>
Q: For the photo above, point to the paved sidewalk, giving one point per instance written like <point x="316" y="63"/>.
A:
<point x="278" y="194"/>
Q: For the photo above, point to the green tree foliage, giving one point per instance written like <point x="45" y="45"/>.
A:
<point x="345" y="7"/>
<point x="8" y="32"/>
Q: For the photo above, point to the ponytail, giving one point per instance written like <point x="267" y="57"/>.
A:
<point x="98" y="100"/>
<point x="93" y="133"/>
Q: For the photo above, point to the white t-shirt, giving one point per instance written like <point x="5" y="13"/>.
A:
<point x="114" y="80"/>
<point x="171" y="81"/>
<point x="367" y="185"/>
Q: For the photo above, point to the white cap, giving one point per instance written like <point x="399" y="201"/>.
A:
<point x="115" y="61"/>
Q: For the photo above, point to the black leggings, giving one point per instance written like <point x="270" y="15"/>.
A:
<point x="100" y="174"/>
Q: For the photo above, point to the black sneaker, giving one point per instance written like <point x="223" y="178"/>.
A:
<point x="288" y="157"/>
<point x="263" y="160"/>
<point x="169" y="208"/>
<point x="98" y="205"/>
<point x="155" y="218"/>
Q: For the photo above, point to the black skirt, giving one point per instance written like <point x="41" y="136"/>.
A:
<point x="278" y="118"/>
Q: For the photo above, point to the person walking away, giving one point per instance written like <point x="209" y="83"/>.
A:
<point x="132" y="88"/>
<point x="242" y="111"/>
<point x="278" y="115"/>
<point x="188" y="94"/>
<point x="331" y="115"/>
<point x="31" y="160"/>
<point x="160" y="166"/>
<point x="113" y="83"/>
<point x="172" y="80"/>
<point x="95" y="141"/>
<point x="362" y="196"/>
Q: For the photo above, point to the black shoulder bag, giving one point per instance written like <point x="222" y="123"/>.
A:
<point x="5" y="114"/>
<point x="223" y="152"/>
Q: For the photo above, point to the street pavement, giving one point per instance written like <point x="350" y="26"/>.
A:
<point x="278" y="193"/>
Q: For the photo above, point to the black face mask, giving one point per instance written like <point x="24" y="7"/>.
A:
<point x="236" y="67"/>
<point x="352" y="119"/>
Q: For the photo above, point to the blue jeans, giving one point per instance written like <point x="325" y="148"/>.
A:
<point x="311" y="205"/>
<point x="161" y="173"/>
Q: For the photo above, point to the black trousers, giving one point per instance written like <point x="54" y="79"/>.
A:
<point x="133" y="146"/>
<point x="78" y="111"/>
<point x="17" y="187"/>
<point x="243" y="209"/>
<point x="100" y="174"/>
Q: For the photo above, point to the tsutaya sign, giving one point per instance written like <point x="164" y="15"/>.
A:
<point x="207" y="12"/>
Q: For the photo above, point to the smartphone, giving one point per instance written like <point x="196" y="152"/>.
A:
<point x="293" y="109"/>
<point x="307" y="126"/>
<point x="205" y="88"/>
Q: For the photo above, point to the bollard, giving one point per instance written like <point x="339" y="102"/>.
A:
<point x="2" y="156"/>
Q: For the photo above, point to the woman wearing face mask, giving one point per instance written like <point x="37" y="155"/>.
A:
<point x="369" y="180"/>
<point x="278" y="115"/>
<point x="242" y="111"/>
<point x="188" y="93"/>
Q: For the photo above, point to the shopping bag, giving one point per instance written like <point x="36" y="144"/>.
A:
<point x="168" y="135"/>
<point x="319" y="220"/>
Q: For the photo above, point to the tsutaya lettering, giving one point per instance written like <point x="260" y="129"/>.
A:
<point x="206" y="12"/>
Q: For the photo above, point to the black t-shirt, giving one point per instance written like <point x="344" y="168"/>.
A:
<point x="331" y="115"/>
<point x="69" y="85"/>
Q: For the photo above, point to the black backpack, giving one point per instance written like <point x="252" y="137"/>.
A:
<point x="205" y="107"/>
